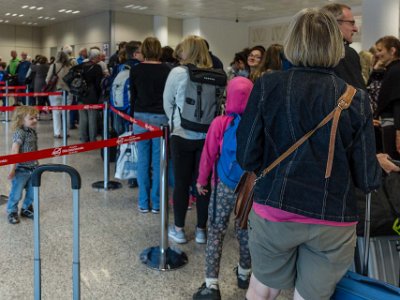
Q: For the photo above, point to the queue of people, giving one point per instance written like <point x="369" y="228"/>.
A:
<point x="303" y="218"/>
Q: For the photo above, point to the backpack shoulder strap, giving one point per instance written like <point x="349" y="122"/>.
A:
<point x="344" y="102"/>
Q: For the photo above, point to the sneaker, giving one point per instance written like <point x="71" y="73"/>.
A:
<point x="205" y="293"/>
<point x="242" y="280"/>
<point x="177" y="236"/>
<point x="201" y="237"/>
<point x="27" y="213"/>
<point x="13" y="218"/>
<point x="155" y="211"/>
<point x="143" y="210"/>
<point x="133" y="183"/>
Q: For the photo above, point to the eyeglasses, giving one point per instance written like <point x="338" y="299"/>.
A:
<point x="351" y="22"/>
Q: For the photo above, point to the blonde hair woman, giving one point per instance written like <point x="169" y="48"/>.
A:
<point x="186" y="145"/>
<point x="302" y="227"/>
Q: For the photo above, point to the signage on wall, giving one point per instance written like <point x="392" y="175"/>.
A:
<point x="106" y="48"/>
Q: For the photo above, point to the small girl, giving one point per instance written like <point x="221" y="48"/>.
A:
<point x="24" y="140"/>
<point x="238" y="92"/>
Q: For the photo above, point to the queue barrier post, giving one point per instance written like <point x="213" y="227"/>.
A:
<point x="7" y="103"/>
<point x="27" y="97"/>
<point x="162" y="257"/>
<point x="64" y="119"/>
<point x="106" y="184"/>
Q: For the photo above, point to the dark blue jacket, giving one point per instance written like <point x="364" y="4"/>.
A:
<point x="22" y="69"/>
<point x="283" y="107"/>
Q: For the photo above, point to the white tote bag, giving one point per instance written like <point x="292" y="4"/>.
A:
<point x="126" y="167"/>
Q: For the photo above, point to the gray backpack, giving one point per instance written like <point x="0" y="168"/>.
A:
<point x="203" y="101"/>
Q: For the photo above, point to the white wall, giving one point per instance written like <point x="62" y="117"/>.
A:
<point x="20" y="38"/>
<point x="82" y="32"/>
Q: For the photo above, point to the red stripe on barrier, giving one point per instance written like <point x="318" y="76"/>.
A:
<point x="135" y="121"/>
<point x="67" y="107"/>
<point x="30" y="94"/>
<point x="73" y="149"/>
<point x="19" y="87"/>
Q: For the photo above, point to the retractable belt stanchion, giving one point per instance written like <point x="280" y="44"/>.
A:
<point x="64" y="119"/>
<point x="106" y="184"/>
<point x="7" y="103"/>
<point x="27" y="97"/>
<point x="162" y="257"/>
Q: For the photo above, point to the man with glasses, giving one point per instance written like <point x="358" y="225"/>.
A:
<point x="349" y="68"/>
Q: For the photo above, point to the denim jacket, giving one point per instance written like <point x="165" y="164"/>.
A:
<point x="284" y="106"/>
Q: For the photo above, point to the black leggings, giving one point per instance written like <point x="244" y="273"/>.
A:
<point x="186" y="158"/>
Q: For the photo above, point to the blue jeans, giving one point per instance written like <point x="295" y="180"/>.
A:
<point x="21" y="181"/>
<point x="148" y="174"/>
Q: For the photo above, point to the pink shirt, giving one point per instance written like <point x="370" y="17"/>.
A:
<point x="278" y="215"/>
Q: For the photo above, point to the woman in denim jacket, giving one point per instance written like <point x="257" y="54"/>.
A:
<point x="302" y="226"/>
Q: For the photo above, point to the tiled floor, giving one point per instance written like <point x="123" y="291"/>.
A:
<point x="113" y="234"/>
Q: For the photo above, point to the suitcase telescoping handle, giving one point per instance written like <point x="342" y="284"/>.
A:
<point x="367" y="226"/>
<point x="76" y="185"/>
<point x="75" y="177"/>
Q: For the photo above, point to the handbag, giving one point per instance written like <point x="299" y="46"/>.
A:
<point x="245" y="187"/>
<point x="51" y="85"/>
<point x="126" y="167"/>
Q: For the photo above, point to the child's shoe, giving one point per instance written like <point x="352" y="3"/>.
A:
<point x="242" y="280"/>
<point x="13" y="218"/>
<point x="205" y="293"/>
<point x="27" y="213"/>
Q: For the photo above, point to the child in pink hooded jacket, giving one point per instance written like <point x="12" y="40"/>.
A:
<point x="237" y="94"/>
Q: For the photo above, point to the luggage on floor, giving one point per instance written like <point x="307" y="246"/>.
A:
<point x="76" y="185"/>
<point x="384" y="258"/>
<point x="354" y="286"/>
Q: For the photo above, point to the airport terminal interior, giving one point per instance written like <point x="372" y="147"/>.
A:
<point x="113" y="233"/>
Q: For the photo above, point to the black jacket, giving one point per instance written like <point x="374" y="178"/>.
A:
<point x="349" y="68"/>
<point x="93" y="74"/>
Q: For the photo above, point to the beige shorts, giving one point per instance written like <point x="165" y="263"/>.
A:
<point x="312" y="258"/>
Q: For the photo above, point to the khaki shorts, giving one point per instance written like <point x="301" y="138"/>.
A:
<point x="312" y="258"/>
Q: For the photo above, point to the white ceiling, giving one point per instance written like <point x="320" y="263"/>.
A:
<point x="243" y="10"/>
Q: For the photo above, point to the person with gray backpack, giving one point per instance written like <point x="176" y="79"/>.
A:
<point x="190" y="107"/>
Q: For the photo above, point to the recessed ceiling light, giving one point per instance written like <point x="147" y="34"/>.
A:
<point x="32" y="7"/>
<point x="14" y="15"/>
<point x="29" y="23"/>
<point x="61" y="10"/>
<point x="34" y="24"/>
<point x="39" y="8"/>
<point x="76" y="12"/>
<point x="25" y="6"/>
<point x="143" y="7"/>
<point x="41" y="17"/>
<point x="1" y="21"/>
<point x="6" y="21"/>
<point x="46" y="18"/>
<point x="129" y="6"/>
<point x="68" y="11"/>
<point x="21" y="15"/>
<point x="52" y="19"/>
<point x="23" y="22"/>
<point x="7" y="14"/>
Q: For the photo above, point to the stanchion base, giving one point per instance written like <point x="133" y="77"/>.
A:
<point x="111" y="185"/>
<point x="175" y="258"/>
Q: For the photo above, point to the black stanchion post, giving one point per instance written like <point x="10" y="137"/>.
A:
<point x="106" y="184"/>
<point x="162" y="257"/>
<point x="64" y="119"/>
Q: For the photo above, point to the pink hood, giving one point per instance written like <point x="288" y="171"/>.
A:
<point x="237" y="94"/>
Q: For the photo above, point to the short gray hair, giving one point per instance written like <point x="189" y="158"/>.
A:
<point x="314" y="39"/>
<point x="336" y="9"/>
<point x="94" y="53"/>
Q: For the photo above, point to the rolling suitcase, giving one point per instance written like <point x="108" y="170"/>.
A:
<point x="354" y="286"/>
<point x="76" y="185"/>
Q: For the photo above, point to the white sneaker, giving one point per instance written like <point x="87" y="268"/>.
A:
<point x="177" y="236"/>
<point x="201" y="237"/>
